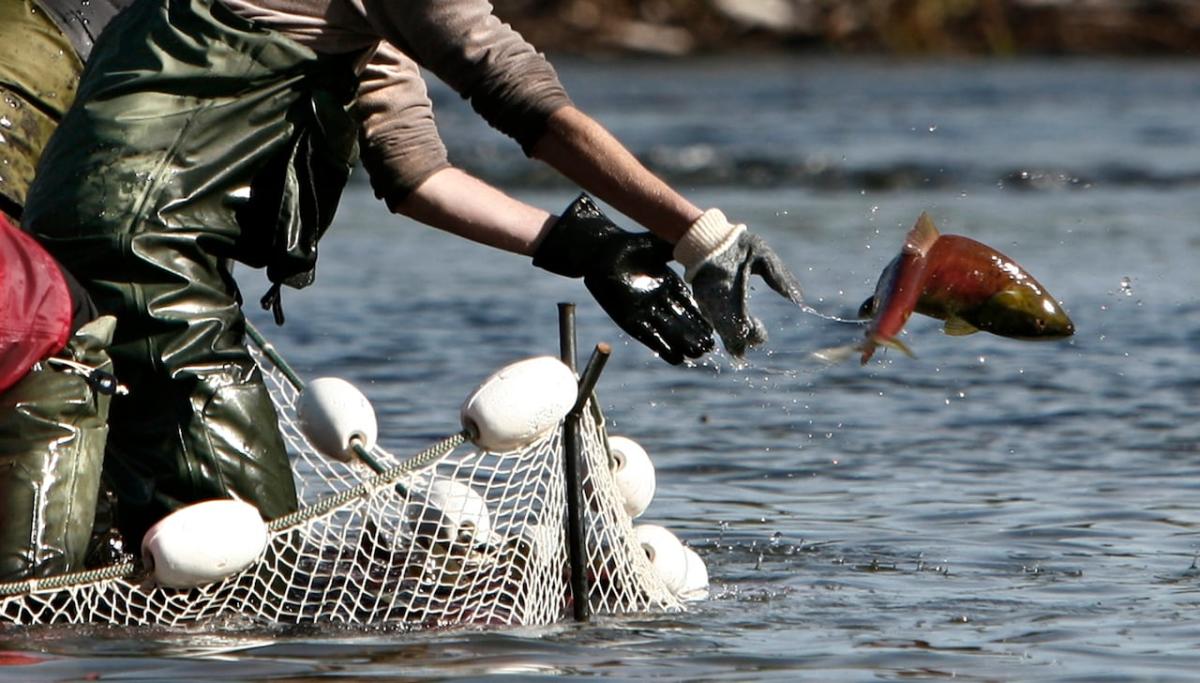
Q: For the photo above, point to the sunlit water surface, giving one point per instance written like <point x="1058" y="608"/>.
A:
<point x="990" y="510"/>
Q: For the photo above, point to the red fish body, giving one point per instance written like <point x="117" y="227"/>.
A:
<point x="963" y="282"/>
<point x="899" y="289"/>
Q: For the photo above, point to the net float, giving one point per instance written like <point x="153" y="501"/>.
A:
<point x="666" y="554"/>
<point x="456" y="514"/>
<point x="634" y="474"/>
<point x="519" y="404"/>
<point x="204" y="543"/>
<point x="334" y="416"/>
<point x="695" y="584"/>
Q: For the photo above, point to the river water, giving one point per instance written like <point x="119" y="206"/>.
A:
<point x="988" y="510"/>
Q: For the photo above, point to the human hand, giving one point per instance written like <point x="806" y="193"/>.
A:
<point x="628" y="275"/>
<point x="719" y="258"/>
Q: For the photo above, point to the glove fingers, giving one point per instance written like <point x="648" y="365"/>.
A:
<point x="664" y="318"/>
<point x="725" y="308"/>
<point x="646" y="332"/>
<point x="753" y="330"/>
<point x="685" y="330"/>
<point x="680" y="311"/>
<point x="778" y="277"/>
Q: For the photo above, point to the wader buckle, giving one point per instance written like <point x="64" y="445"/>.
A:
<point x="100" y="381"/>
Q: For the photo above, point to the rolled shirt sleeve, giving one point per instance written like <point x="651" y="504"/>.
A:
<point x="508" y="82"/>
<point x="400" y="142"/>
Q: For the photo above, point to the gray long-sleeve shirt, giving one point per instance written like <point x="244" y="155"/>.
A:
<point x="462" y="42"/>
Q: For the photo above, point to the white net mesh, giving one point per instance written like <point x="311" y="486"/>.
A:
<point x="449" y="537"/>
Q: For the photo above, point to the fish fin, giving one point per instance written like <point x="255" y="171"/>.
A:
<point x="957" y="327"/>
<point x="836" y="354"/>
<point x="869" y="345"/>
<point x="895" y="343"/>
<point x="922" y="236"/>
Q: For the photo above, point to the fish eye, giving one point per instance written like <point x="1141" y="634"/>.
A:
<point x="867" y="309"/>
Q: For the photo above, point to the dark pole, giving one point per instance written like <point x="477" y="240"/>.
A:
<point x="566" y="334"/>
<point x="573" y="465"/>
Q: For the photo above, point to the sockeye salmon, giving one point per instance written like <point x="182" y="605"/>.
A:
<point x="968" y="284"/>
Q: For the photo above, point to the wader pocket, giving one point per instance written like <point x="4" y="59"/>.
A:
<point x="53" y="428"/>
<point x="246" y="457"/>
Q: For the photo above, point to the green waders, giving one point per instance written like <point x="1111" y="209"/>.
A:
<point x="38" y="71"/>
<point x="52" y="429"/>
<point x="180" y="121"/>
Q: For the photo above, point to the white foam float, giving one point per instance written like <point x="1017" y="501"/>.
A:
<point x="665" y="553"/>
<point x="334" y="415"/>
<point x="456" y="514"/>
<point x="634" y="474"/>
<point x="204" y="543"/>
<point x="695" y="583"/>
<point x="519" y="403"/>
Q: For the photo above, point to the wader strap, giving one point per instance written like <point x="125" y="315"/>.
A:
<point x="82" y="20"/>
<point x="294" y="198"/>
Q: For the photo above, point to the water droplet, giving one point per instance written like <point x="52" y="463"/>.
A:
<point x="1127" y="286"/>
<point x="932" y="127"/>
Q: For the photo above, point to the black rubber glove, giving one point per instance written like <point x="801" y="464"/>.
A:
<point x="628" y="275"/>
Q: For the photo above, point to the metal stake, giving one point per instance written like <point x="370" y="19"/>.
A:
<point x="573" y="463"/>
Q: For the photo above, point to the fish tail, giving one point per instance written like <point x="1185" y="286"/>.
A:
<point x="836" y="354"/>
<point x="922" y="236"/>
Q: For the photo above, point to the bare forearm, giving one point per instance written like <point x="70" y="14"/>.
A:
<point x="581" y="149"/>
<point x="456" y="202"/>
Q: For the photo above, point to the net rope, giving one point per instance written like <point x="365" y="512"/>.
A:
<point x="403" y="547"/>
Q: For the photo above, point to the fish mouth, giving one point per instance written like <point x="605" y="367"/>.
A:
<point x="1046" y="330"/>
<point x="1020" y="314"/>
<point x="1054" y="327"/>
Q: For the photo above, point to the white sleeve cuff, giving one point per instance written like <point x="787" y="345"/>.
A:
<point x="711" y="234"/>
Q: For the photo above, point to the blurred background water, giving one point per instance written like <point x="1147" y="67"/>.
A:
<point x="990" y="510"/>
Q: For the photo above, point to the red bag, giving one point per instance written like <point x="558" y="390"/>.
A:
<point x="35" y="306"/>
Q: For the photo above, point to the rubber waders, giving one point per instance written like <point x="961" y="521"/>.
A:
<point x="52" y="433"/>
<point x="181" y="108"/>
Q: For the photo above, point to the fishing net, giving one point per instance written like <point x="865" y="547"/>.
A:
<point x="393" y="544"/>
